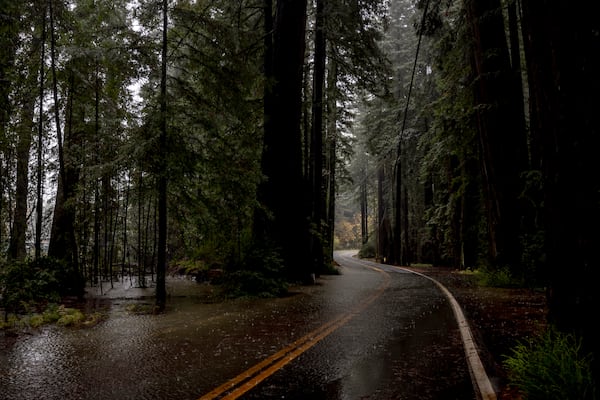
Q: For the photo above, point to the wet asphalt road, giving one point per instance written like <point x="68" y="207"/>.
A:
<point x="365" y="334"/>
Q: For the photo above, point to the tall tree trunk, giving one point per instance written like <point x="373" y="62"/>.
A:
<point x="397" y="244"/>
<point x="283" y="192"/>
<point x="40" y="142"/>
<point x="17" y="247"/>
<point x="332" y="96"/>
<point x="501" y="129"/>
<point x="561" y="44"/>
<point x="316" y="143"/>
<point x="382" y="237"/>
<point x="140" y="220"/>
<point x="96" y="245"/>
<point x="161" y="292"/>
<point x="9" y="20"/>
<point x="59" y="139"/>
<point x="125" y="254"/>
<point x="62" y="240"/>
<point x="406" y="258"/>
<point x="99" y="262"/>
<point x="364" y="209"/>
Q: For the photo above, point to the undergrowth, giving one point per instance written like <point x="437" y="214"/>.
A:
<point x="551" y="367"/>
<point x="52" y="314"/>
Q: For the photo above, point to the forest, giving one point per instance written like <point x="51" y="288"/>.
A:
<point x="253" y="137"/>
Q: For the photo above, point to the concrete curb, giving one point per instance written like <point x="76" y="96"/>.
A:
<point x="481" y="381"/>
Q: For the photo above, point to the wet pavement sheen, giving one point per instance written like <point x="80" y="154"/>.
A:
<point x="403" y="345"/>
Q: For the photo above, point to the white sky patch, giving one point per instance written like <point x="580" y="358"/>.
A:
<point x="135" y="89"/>
<point x="132" y="8"/>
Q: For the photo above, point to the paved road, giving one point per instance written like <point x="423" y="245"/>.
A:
<point x="402" y="343"/>
<point x="373" y="332"/>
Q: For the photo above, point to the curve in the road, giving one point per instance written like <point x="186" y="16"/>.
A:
<point x="485" y="390"/>
<point x="481" y="381"/>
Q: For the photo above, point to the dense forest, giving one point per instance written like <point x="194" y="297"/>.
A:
<point x="143" y="136"/>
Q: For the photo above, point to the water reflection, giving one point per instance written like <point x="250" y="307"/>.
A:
<point x="195" y="347"/>
<point x="177" y="355"/>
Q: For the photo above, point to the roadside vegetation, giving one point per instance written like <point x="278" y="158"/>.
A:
<point x="551" y="366"/>
<point x="32" y="293"/>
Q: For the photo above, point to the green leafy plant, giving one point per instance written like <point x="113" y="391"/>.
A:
<point x="260" y="274"/>
<point x="24" y="286"/>
<point x="551" y="367"/>
<point x="368" y="249"/>
<point x="498" y="277"/>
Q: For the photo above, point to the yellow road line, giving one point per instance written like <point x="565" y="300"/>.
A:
<point x="261" y="371"/>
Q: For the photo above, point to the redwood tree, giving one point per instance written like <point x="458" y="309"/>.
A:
<point x="501" y="129"/>
<point x="284" y="224"/>
<point x="561" y="47"/>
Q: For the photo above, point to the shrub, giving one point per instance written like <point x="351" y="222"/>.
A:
<point x="254" y="283"/>
<point x="63" y="278"/>
<point x="70" y="316"/>
<point x="261" y="274"/>
<point x="499" y="277"/>
<point x="330" y="269"/>
<point x="551" y="367"/>
<point x="195" y="268"/>
<point x="367" y="250"/>
<point x="25" y="285"/>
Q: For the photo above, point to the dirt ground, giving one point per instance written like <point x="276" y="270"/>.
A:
<point x="499" y="318"/>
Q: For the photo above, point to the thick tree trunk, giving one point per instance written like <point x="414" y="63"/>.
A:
<point x="62" y="240"/>
<point x="561" y="51"/>
<point x="283" y="194"/>
<point x="501" y="129"/>
<point x="262" y="218"/>
<point x="316" y="142"/>
<point x="62" y="244"/>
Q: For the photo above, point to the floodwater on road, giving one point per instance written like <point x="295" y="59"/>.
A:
<point x="402" y="345"/>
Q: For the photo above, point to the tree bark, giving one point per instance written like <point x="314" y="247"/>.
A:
<point x="17" y="248"/>
<point x="9" y="18"/>
<point x="62" y="244"/>
<point x="316" y="142"/>
<point x="501" y="129"/>
<point x="332" y="134"/>
<point x="40" y="143"/>
<point x="282" y="194"/>
<point x="161" y="293"/>
<point x="62" y="240"/>
<point x="561" y="44"/>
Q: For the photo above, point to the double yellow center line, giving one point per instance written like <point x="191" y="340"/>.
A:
<point x="253" y="376"/>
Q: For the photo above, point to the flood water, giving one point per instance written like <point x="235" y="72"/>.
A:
<point x="194" y="347"/>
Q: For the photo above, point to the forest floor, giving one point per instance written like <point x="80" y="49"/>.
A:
<point x="499" y="318"/>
